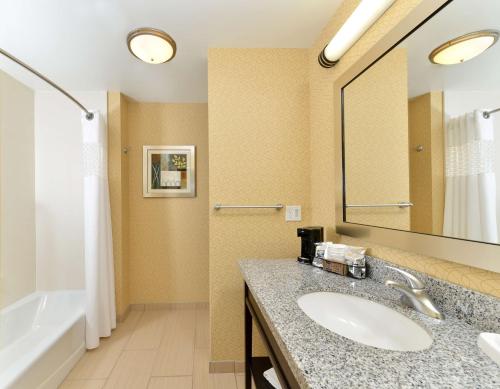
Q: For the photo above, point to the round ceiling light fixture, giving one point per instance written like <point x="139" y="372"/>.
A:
<point x="151" y="45"/>
<point x="464" y="47"/>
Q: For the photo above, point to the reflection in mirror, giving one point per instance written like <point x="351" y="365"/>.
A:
<point x="419" y="144"/>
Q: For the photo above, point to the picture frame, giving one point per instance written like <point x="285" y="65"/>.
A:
<point x="169" y="171"/>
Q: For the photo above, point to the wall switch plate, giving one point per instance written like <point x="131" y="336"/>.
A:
<point x="293" y="213"/>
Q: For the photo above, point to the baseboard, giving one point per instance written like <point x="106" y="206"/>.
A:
<point x="221" y="366"/>
<point x="203" y="304"/>
<point x="120" y="318"/>
<point x="156" y="306"/>
<point x="226" y="366"/>
<point x="239" y="367"/>
<point x="137" y="307"/>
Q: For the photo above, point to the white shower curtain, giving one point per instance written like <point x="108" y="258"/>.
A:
<point x="99" y="271"/>
<point x="470" y="200"/>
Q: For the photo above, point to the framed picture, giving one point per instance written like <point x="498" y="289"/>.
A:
<point x="169" y="171"/>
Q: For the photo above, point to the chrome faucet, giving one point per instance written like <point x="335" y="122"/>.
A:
<point x="415" y="295"/>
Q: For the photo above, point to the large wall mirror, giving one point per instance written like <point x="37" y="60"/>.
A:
<point x="420" y="135"/>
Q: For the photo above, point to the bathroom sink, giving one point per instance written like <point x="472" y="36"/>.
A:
<point x="365" y="321"/>
<point x="490" y="344"/>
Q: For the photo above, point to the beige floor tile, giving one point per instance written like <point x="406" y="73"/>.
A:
<point x="170" y="383"/>
<point x="132" y="371"/>
<point x="176" y="353"/>
<point x="131" y="321"/>
<point x="240" y="381"/>
<point x="148" y="332"/>
<point x="98" y="363"/>
<point x="164" y="348"/>
<point x="200" y="369"/>
<point x="223" y="381"/>
<point x="83" y="384"/>
<point x="202" y="327"/>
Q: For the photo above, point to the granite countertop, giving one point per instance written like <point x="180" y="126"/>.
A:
<point x="322" y="359"/>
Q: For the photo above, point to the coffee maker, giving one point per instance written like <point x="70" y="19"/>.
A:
<point x="309" y="236"/>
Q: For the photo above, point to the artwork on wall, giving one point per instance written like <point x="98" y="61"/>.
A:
<point x="169" y="171"/>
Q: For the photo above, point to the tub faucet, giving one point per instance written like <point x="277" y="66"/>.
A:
<point x="415" y="295"/>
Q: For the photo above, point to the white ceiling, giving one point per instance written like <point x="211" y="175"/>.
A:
<point x="458" y="18"/>
<point x="81" y="44"/>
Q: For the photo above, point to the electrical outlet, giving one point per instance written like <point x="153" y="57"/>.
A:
<point x="293" y="213"/>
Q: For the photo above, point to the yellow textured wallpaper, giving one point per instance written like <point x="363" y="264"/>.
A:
<point x="168" y="237"/>
<point x="118" y="193"/>
<point x="125" y="204"/>
<point x="258" y="146"/>
<point x="425" y="118"/>
<point x="322" y="136"/>
<point x="377" y="160"/>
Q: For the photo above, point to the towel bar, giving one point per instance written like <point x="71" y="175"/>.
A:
<point x="402" y="204"/>
<point x="275" y="206"/>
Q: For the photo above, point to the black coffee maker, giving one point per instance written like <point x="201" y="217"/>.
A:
<point x="309" y="236"/>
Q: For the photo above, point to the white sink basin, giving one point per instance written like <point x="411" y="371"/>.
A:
<point x="490" y="344"/>
<point x="365" y="321"/>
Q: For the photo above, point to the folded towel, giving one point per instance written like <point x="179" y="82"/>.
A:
<point x="272" y="378"/>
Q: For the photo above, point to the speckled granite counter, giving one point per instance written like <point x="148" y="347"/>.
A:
<point x="322" y="359"/>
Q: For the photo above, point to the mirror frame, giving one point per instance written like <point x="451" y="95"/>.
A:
<point x="477" y="254"/>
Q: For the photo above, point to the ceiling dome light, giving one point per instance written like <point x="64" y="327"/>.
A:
<point x="464" y="47"/>
<point x="151" y="45"/>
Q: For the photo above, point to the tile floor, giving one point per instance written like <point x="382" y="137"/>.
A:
<point x="154" y="349"/>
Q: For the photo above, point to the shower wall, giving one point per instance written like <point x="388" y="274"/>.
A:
<point x="17" y="191"/>
<point x="119" y="196"/>
<point x="160" y="244"/>
<point x="59" y="187"/>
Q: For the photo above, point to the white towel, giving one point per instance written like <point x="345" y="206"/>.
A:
<point x="272" y="378"/>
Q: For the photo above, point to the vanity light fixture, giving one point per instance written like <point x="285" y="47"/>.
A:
<point x="365" y="14"/>
<point x="464" y="47"/>
<point x="151" y="45"/>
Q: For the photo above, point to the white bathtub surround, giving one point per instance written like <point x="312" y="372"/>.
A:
<point x="41" y="339"/>
<point x="17" y="191"/>
<point x="470" y="200"/>
<point x="98" y="242"/>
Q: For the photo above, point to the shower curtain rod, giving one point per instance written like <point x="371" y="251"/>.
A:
<point x="487" y="114"/>
<point x="88" y="115"/>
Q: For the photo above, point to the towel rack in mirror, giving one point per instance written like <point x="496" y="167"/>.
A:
<point x="401" y="204"/>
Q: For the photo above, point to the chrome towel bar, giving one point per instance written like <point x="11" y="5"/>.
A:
<point x="402" y="204"/>
<point x="275" y="206"/>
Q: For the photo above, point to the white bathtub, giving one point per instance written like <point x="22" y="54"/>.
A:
<point x="42" y="336"/>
